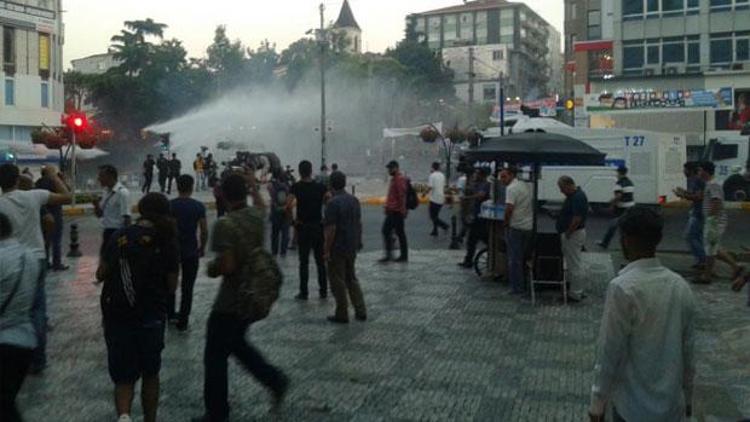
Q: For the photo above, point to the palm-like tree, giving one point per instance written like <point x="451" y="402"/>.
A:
<point x="131" y="47"/>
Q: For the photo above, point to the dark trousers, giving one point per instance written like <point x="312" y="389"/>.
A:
<point x="162" y="182"/>
<point x="54" y="242"/>
<point x="105" y="239"/>
<point x="279" y="233"/>
<point x="226" y="336"/>
<point x="189" y="270"/>
<point x="435" y="218"/>
<point x="477" y="232"/>
<point x="612" y="229"/>
<point x="310" y="238"/>
<point x="147" y="183"/>
<point x="171" y="179"/>
<point x="345" y="286"/>
<point x="394" y="222"/>
<point x="14" y="365"/>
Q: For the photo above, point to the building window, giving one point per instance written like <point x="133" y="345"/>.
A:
<point x="730" y="48"/>
<point x="721" y="51"/>
<point x="9" y="49"/>
<point x="594" y="25"/>
<point x="489" y="93"/>
<point x="653" y="54"/>
<point x="497" y="55"/>
<point x="10" y="92"/>
<point x="466" y="27"/>
<point x="673" y="52"/>
<point x="481" y="27"/>
<point x="742" y="49"/>
<point x="694" y="52"/>
<point x="573" y="11"/>
<point x="450" y="29"/>
<point x="639" y="9"/>
<point x="632" y="57"/>
<point x="728" y="5"/>
<point x="44" y="55"/>
<point x="45" y="95"/>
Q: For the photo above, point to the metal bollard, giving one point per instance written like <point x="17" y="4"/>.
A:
<point x="74" y="251"/>
<point x="455" y="244"/>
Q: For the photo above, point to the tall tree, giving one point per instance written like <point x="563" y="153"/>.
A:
<point x="226" y="59"/>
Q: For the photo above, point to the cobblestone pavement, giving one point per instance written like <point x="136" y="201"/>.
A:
<point x="439" y="345"/>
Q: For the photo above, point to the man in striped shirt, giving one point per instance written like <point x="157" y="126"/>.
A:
<point x="622" y="202"/>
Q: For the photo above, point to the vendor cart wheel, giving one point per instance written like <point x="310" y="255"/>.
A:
<point x="482" y="262"/>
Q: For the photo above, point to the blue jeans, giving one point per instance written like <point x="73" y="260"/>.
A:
<point x="612" y="228"/>
<point x="39" y="319"/>
<point x="694" y="237"/>
<point x="517" y="242"/>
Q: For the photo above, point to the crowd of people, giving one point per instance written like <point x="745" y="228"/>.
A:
<point x="143" y="261"/>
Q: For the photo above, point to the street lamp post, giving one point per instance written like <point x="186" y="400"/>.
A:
<point x="322" y="40"/>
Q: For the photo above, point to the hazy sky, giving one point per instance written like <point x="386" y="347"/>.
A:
<point x="89" y="24"/>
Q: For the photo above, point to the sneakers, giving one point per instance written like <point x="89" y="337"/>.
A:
<point x="337" y="320"/>
<point x="124" y="418"/>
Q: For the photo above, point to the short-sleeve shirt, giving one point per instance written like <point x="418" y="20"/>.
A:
<point x="309" y="201"/>
<point x="696" y="185"/>
<point x="47" y="184"/>
<point x="240" y="231"/>
<point x="114" y="205"/>
<point x="518" y="194"/>
<point x="188" y="212"/>
<point x="22" y="209"/>
<point x="626" y="189"/>
<point x="575" y="205"/>
<point x="437" y="187"/>
<point x="344" y="212"/>
<point x="713" y="192"/>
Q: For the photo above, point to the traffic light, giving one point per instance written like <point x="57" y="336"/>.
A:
<point x="77" y="122"/>
<point x="570" y="104"/>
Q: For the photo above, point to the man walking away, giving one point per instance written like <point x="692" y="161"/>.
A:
<point x="343" y="238"/>
<point x="23" y="209"/>
<point x="19" y="275"/>
<point x="191" y="217"/>
<point x="480" y="191"/>
<point x="239" y="231"/>
<point x="148" y="173"/>
<point x="395" y="214"/>
<point x="714" y="225"/>
<point x="519" y="222"/>
<point x="199" y="168"/>
<point x="114" y="208"/>
<point x="436" y="190"/>
<point x="53" y="240"/>
<point x="162" y="166"/>
<point x="646" y="333"/>
<point x="309" y="195"/>
<point x="694" y="229"/>
<point x="571" y="225"/>
<point x="139" y="270"/>
<point x="175" y="167"/>
<point x="622" y="202"/>
<point x="278" y="190"/>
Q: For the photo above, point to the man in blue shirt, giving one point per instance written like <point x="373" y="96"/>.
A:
<point x="190" y="215"/>
<point x="571" y="224"/>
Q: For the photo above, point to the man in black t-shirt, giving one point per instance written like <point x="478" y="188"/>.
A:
<point x="162" y="165"/>
<point x="174" y="172"/>
<point x="148" y="173"/>
<point x="309" y="196"/>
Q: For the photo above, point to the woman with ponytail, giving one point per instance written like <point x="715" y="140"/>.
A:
<point x="139" y="268"/>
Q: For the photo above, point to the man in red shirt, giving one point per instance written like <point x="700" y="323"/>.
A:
<point x="395" y="214"/>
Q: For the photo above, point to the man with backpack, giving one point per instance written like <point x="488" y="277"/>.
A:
<point x="238" y="242"/>
<point x="278" y="190"/>
<point x="395" y="214"/>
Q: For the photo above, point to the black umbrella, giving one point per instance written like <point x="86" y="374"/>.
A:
<point x="536" y="149"/>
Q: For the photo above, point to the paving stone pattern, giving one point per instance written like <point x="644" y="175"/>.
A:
<point x="439" y="345"/>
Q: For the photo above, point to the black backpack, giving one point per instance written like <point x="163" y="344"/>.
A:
<point x="135" y="276"/>
<point x="412" y="200"/>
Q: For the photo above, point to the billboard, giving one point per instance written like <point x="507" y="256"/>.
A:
<point x="650" y="99"/>
<point x="547" y="108"/>
<point x="738" y="116"/>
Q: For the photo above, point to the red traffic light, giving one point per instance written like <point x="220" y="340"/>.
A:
<point x="77" y="122"/>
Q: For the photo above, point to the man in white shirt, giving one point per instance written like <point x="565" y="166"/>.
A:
<point x="114" y="207"/>
<point x="519" y="222"/>
<point x="23" y="210"/>
<point x="645" y="364"/>
<point x="436" y="190"/>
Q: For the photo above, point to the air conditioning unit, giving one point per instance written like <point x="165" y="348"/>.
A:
<point x="674" y="70"/>
<point x="737" y="66"/>
<point x="649" y="71"/>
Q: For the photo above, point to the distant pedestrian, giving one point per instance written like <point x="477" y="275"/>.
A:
<point x="519" y="222"/>
<point x="148" y="173"/>
<point x="190" y="216"/>
<point x="395" y="214"/>
<point x="463" y="204"/>
<point x="23" y="210"/>
<point x="199" y="169"/>
<point x="436" y="190"/>
<point x="53" y="239"/>
<point x="20" y="274"/>
<point x="646" y="334"/>
<point x="322" y="177"/>
<point x="162" y="166"/>
<point x="280" y="214"/>
<point x="175" y="167"/>
<point x="622" y="201"/>
<point x="714" y="225"/>
<point x="571" y="225"/>
<point x="694" y="229"/>
<point x="114" y="207"/>
<point x="139" y="269"/>
<point x="308" y="195"/>
<point x="334" y="167"/>
<point x="478" y="230"/>
<point x="343" y="238"/>
<point x="240" y="231"/>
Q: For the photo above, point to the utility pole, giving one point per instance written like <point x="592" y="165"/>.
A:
<point x="501" y="102"/>
<point x="471" y="85"/>
<point x="323" y="125"/>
